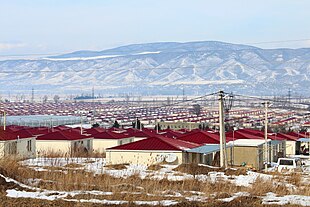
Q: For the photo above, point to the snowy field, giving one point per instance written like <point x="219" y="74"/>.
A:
<point x="97" y="166"/>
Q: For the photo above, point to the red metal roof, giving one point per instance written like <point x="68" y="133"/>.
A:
<point x="297" y="135"/>
<point x="256" y="134"/>
<point x="242" y="135"/>
<point x="286" y="137"/>
<point x="171" y="134"/>
<point x="39" y="130"/>
<point x="157" y="143"/>
<point x="63" y="135"/>
<point x="140" y="133"/>
<point x="201" y="137"/>
<point x="14" y="128"/>
<point x="110" y="135"/>
<point x="6" y="135"/>
<point x="23" y="133"/>
<point x="93" y="131"/>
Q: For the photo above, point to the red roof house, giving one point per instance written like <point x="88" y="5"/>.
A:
<point x="64" y="141"/>
<point x="149" y="151"/>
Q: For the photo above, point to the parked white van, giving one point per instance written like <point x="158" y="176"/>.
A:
<point x="289" y="164"/>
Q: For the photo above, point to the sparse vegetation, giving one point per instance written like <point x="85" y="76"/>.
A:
<point x="195" y="169"/>
<point x="154" y="167"/>
<point x="72" y="177"/>
<point x="262" y="186"/>
<point x="117" y="166"/>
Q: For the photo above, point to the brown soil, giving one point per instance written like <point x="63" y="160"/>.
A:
<point x="195" y="169"/>
<point x="117" y="166"/>
<point x="154" y="167"/>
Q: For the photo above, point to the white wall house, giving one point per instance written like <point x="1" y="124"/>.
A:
<point x="63" y="142"/>
<point x="150" y="151"/>
<point x="108" y="139"/>
<point x="12" y="144"/>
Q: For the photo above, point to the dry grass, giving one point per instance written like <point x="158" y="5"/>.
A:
<point x="294" y="178"/>
<point x="195" y="169"/>
<point x="298" y="187"/>
<point x="27" y="202"/>
<point x="73" y="165"/>
<point x="154" y="167"/>
<point x="137" y="188"/>
<point x="77" y="153"/>
<point x="236" y="172"/>
<point x="117" y="166"/>
<point x="262" y="186"/>
<point x="221" y="187"/>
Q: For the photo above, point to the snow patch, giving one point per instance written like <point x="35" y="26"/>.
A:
<point x="272" y="198"/>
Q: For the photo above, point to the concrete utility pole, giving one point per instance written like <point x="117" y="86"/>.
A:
<point x="81" y="126"/>
<point x="266" y="135"/>
<point x="4" y="121"/>
<point x="223" y="160"/>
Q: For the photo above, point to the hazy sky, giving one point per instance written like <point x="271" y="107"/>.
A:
<point x="57" y="26"/>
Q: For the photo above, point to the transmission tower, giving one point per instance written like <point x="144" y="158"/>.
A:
<point x="289" y="97"/>
<point x="32" y="95"/>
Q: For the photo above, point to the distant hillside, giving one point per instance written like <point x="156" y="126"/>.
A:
<point x="164" y="68"/>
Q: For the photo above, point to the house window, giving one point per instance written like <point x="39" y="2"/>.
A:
<point x="29" y="149"/>
<point x="120" y="142"/>
<point x="12" y="148"/>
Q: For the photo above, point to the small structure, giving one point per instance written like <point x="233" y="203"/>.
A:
<point x="290" y="143"/>
<point x="250" y="152"/>
<point x="290" y="140"/>
<point x="150" y="151"/>
<point x="207" y="154"/>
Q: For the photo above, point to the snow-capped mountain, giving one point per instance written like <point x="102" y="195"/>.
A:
<point x="164" y="68"/>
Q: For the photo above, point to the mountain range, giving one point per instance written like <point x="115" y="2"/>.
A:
<point x="163" y="68"/>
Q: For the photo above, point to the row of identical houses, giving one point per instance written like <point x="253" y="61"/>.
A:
<point x="146" y="146"/>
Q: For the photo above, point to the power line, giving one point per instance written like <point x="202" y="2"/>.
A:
<point x="184" y="101"/>
<point x="265" y="99"/>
